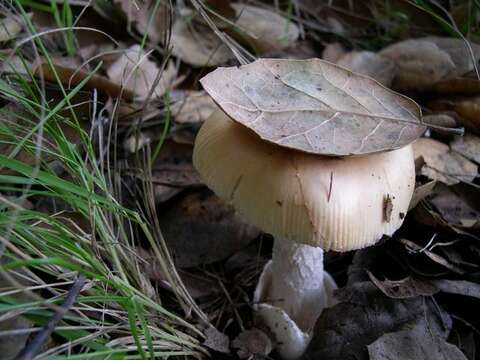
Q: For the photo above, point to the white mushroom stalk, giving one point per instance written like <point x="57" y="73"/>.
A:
<point x="292" y="292"/>
<point x="308" y="203"/>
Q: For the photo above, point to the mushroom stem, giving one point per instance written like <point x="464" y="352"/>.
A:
<point x="292" y="291"/>
<point x="298" y="282"/>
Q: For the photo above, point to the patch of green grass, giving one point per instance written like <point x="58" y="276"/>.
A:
<point x="119" y="314"/>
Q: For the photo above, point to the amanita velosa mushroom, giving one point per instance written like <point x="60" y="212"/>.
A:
<point x="309" y="203"/>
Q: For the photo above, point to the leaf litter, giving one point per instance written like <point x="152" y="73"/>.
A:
<point x="411" y="297"/>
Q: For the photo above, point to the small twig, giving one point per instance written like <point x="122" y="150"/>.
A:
<point x="34" y="346"/>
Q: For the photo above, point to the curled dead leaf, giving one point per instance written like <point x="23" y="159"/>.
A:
<point x="425" y="61"/>
<point x="408" y="287"/>
<point x="421" y="192"/>
<point x="418" y="343"/>
<point x="467" y="145"/>
<point x="136" y="72"/>
<point x="196" y="107"/>
<point x="456" y="206"/>
<point x="443" y="123"/>
<point x="10" y="27"/>
<point x="315" y="106"/>
<point x="441" y="164"/>
<point x="467" y="107"/>
<point x="458" y="86"/>
<point x="267" y="31"/>
<point x="71" y="76"/>
<point x="371" y="64"/>
<point x="363" y="315"/>
<point x="216" y="340"/>
<point x="252" y="343"/>
<point x="333" y="52"/>
<point x="140" y="13"/>
<point x="196" y="44"/>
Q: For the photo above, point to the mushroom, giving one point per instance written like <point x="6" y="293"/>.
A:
<point x="309" y="203"/>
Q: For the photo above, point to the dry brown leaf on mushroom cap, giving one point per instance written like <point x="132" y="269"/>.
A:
<point x="315" y="106"/>
<point x="425" y="61"/>
<point x="371" y="64"/>
<point x="135" y="71"/>
<point x="441" y="164"/>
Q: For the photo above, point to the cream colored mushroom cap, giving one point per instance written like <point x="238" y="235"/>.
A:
<point x="338" y="204"/>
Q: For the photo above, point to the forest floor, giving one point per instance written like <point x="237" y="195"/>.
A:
<point x="113" y="248"/>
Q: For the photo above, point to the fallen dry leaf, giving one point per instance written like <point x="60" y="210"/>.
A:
<point x="406" y="288"/>
<point x="262" y="29"/>
<point x="140" y="12"/>
<point x="460" y="86"/>
<point x="200" y="228"/>
<point x="173" y="166"/>
<point x="421" y="192"/>
<point x="315" y="106"/>
<point x="11" y="345"/>
<point x="10" y="27"/>
<point x="459" y="51"/>
<point x="196" y="44"/>
<point x="418" y="343"/>
<point x="441" y="164"/>
<point x="333" y="52"/>
<point x="459" y="287"/>
<point x="442" y="123"/>
<point x="216" y="340"/>
<point x="362" y="315"/>
<point x="455" y="208"/>
<point x="371" y="64"/>
<point x="172" y="171"/>
<point x="467" y="145"/>
<point x="420" y="64"/>
<point x="136" y="142"/>
<point x="267" y="31"/>
<point x="196" y="107"/>
<point x="440" y="260"/>
<point x="137" y="73"/>
<point x="198" y="286"/>
<point x="467" y="107"/>
<point x="425" y="61"/>
<point x="71" y="76"/>
<point x="252" y="344"/>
